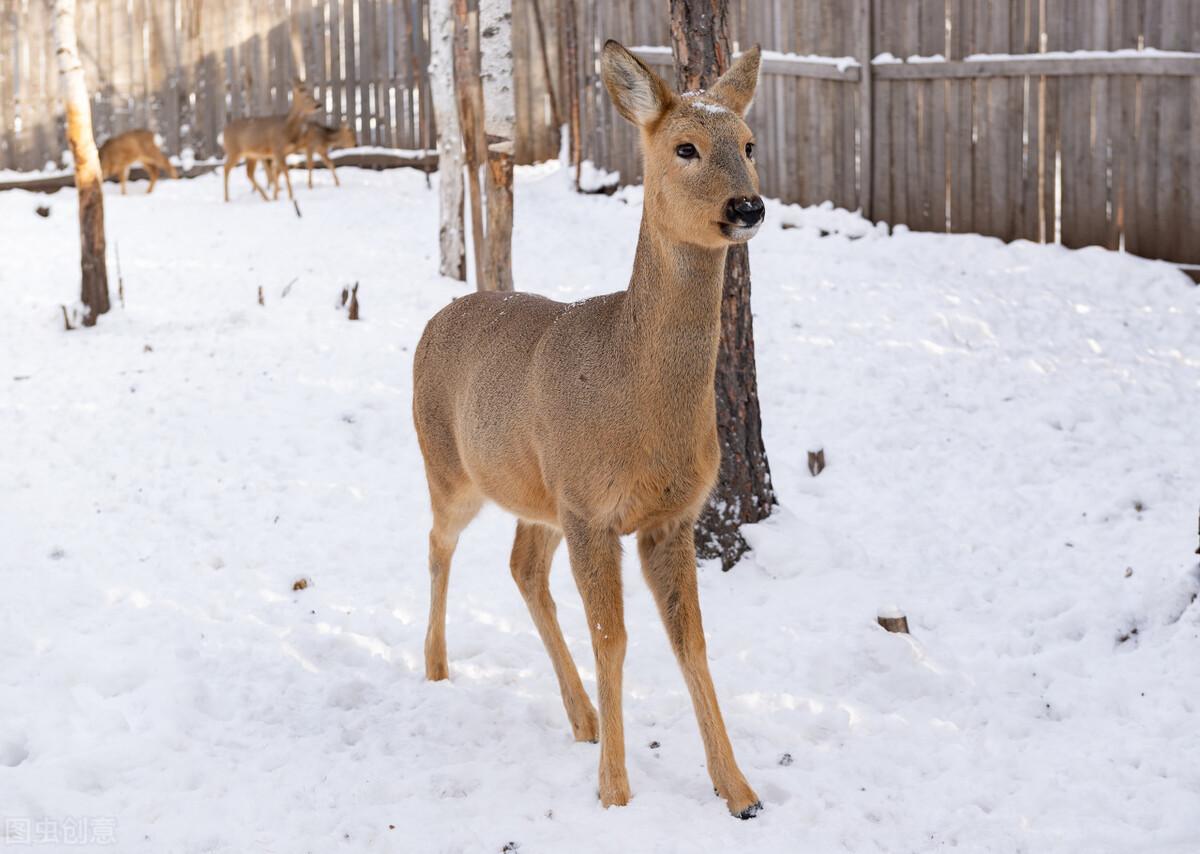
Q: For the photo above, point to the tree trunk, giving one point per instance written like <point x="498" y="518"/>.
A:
<point x="555" y="116"/>
<point x="743" y="494"/>
<point x="87" y="163"/>
<point x="469" y="93"/>
<point x="570" y="56"/>
<point x="499" y="105"/>
<point x="451" y="237"/>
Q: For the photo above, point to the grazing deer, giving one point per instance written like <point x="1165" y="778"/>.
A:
<point x="120" y="152"/>
<point x="267" y="138"/>
<point x="595" y="419"/>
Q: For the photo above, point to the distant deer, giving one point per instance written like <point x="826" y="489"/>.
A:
<point x="120" y="152"/>
<point x="318" y="138"/>
<point x="595" y="419"/>
<point x="267" y="138"/>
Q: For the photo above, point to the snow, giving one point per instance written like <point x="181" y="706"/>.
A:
<point x="1123" y="53"/>
<point x="1009" y="432"/>
<point x="839" y="62"/>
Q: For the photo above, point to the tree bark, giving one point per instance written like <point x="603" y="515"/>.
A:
<point x="499" y="105"/>
<point x="570" y="56"/>
<point x="743" y="494"/>
<point x="469" y="93"/>
<point x="451" y="230"/>
<point x="94" y="293"/>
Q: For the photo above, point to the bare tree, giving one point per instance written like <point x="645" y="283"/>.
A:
<point x="94" y="293"/>
<point x="451" y="239"/>
<point x="499" y="106"/>
<point x="700" y="42"/>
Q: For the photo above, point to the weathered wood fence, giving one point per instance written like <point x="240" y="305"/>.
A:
<point x="1000" y="131"/>
<point x="1097" y="149"/>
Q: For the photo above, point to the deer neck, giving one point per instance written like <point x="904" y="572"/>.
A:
<point x="673" y="314"/>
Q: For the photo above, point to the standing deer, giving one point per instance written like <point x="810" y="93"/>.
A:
<point x="314" y="138"/>
<point x="134" y="146"/>
<point x="267" y="138"/>
<point x="595" y="419"/>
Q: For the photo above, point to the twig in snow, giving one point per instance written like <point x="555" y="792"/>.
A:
<point x="120" y="279"/>
<point x="354" y="302"/>
<point x="296" y="205"/>
<point x="66" y="318"/>
<point x="260" y="296"/>
<point x="816" y="462"/>
<point x="287" y="289"/>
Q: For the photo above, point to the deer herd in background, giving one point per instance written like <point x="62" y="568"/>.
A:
<point x="267" y="138"/>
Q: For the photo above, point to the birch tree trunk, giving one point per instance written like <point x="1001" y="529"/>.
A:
<point x="468" y="90"/>
<point x="94" y="294"/>
<point x="700" y="42"/>
<point x="499" y="107"/>
<point x="451" y="227"/>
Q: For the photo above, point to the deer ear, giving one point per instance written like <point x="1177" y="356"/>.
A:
<point x="639" y="94"/>
<point x="736" y="87"/>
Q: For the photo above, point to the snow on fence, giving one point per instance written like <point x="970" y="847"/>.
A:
<point x="1071" y="120"/>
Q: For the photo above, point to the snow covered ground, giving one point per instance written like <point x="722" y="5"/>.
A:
<point x="1010" y="433"/>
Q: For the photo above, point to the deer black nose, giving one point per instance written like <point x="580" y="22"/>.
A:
<point x="746" y="210"/>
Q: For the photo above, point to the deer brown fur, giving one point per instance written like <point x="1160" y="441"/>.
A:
<point x="120" y="152"/>
<point x="267" y="138"/>
<point x="595" y="419"/>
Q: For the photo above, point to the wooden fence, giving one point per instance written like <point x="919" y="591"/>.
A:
<point x="1101" y="149"/>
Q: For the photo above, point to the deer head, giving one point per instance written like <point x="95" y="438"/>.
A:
<point x="303" y="103"/>
<point x="701" y="185"/>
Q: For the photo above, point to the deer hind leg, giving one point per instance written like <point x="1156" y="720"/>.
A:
<point x="329" y="163"/>
<point x="152" y="171"/>
<point x="669" y="564"/>
<point x="533" y="550"/>
<point x="308" y="162"/>
<point x="596" y="565"/>
<point x="229" y="164"/>
<point x="453" y="509"/>
<point x="124" y="178"/>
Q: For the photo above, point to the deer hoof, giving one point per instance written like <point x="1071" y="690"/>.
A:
<point x="614" y="793"/>
<point x="750" y="811"/>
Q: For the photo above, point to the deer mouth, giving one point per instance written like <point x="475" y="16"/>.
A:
<point x="738" y="233"/>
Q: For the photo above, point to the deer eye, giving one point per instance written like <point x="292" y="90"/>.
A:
<point x="687" y="151"/>
<point x="750" y="150"/>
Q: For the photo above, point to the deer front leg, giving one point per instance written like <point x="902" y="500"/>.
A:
<point x="251" y="168"/>
<point x="669" y="563"/>
<point x="596" y="564"/>
<point x="533" y="550"/>
<point x="281" y="165"/>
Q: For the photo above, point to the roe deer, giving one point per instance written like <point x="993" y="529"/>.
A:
<point x="134" y="146"/>
<point x="595" y="419"/>
<point x="266" y="138"/>
<point x="320" y="138"/>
